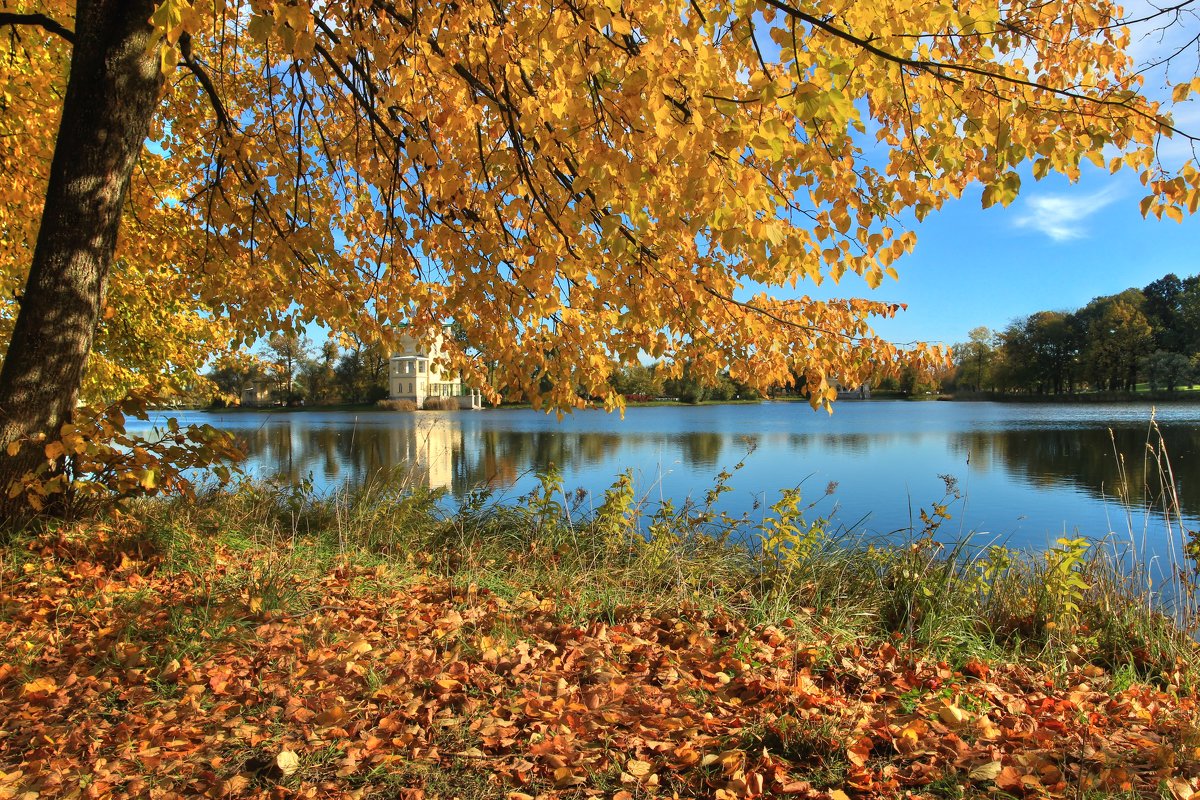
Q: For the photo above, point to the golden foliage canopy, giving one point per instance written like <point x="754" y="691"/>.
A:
<point x="572" y="181"/>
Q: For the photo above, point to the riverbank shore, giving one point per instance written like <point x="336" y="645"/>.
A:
<point x="266" y="643"/>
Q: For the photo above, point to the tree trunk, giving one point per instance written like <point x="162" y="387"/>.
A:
<point x="112" y="94"/>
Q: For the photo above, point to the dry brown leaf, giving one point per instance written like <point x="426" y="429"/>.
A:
<point x="1008" y="779"/>
<point x="330" y="716"/>
<point x="860" y="752"/>
<point x="1180" y="788"/>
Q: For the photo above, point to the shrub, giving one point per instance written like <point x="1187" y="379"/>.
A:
<point x="441" y="403"/>
<point x="397" y="405"/>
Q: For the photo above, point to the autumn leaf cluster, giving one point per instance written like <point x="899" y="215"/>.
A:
<point x="573" y="183"/>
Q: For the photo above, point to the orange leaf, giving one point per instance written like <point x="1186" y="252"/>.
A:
<point x="1008" y="779"/>
<point x="43" y="684"/>
<point x="860" y="752"/>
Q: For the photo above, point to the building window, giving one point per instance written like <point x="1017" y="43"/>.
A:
<point x="410" y="389"/>
<point x="420" y="366"/>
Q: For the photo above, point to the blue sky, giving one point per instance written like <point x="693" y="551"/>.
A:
<point x="1055" y="248"/>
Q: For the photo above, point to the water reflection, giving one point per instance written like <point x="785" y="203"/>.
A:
<point x="1106" y="463"/>
<point x="436" y="451"/>
<point x="1028" y="471"/>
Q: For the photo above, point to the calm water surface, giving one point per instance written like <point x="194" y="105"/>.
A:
<point x="1027" y="473"/>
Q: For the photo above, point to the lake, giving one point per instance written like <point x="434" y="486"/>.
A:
<point x="1027" y="473"/>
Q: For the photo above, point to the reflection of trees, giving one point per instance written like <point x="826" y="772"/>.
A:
<point x="1090" y="459"/>
<point x="428" y="450"/>
<point x="498" y="457"/>
<point x="436" y="451"/>
<point x="853" y="443"/>
<point x="701" y="449"/>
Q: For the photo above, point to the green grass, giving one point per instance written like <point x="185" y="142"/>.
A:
<point x="1064" y="608"/>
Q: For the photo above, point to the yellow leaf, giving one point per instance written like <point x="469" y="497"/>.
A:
<point x="985" y="772"/>
<point x="952" y="715"/>
<point x="260" y="27"/>
<point x="147" y="479"/>
<point x="287" y="761"/>
<point x="565" y="776"/>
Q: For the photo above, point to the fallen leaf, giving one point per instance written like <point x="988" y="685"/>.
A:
<point x="860" y="752"/>
<point x="287" y="761"/>
<point x="44" y="684"/>
<point x="565" y="776"/>
<point x="1008" y="779"/>
<point x="330" y="716"/>
<point x="1180" y="788"/>
<point x="910" y="736"/>
<point x="952" y="715"/>
<point x="985" y="772"/>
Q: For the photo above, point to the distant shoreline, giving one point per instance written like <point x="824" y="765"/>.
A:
<point x="1184" y="397"/>
<point x="1083" y="398"/>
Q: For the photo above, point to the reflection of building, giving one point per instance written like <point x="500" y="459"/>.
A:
<point x="257" y="393"/>
<point x="428" y="450"/>
<point x="413" y="374"/>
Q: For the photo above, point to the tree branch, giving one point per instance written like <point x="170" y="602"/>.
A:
<point x="214" y="98"/>
<point x="43" y="21"/>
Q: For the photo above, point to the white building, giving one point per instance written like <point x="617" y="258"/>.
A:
<point x="413" y="374"/>
<point x="256" y="393"/>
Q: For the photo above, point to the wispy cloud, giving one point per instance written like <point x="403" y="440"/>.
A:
<point x="1062" y="217"/>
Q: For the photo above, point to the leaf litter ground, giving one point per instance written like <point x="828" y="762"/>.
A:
<point x="120" y="677"/>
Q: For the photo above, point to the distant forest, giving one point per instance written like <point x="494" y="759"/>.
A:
<point x="1148" y="336"/>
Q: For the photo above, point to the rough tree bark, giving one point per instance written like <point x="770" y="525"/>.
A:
<point x="112" y="94"/>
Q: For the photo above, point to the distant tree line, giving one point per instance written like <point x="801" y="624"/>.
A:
<point x="296" y="372"/>
<point x="1114" y="343"/>
<point x="648" y="382"/>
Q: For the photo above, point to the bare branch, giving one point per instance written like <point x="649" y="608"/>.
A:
<point x="43" y="21"/>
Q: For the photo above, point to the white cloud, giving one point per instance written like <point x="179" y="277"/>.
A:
<point x="1062" y="217"/>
